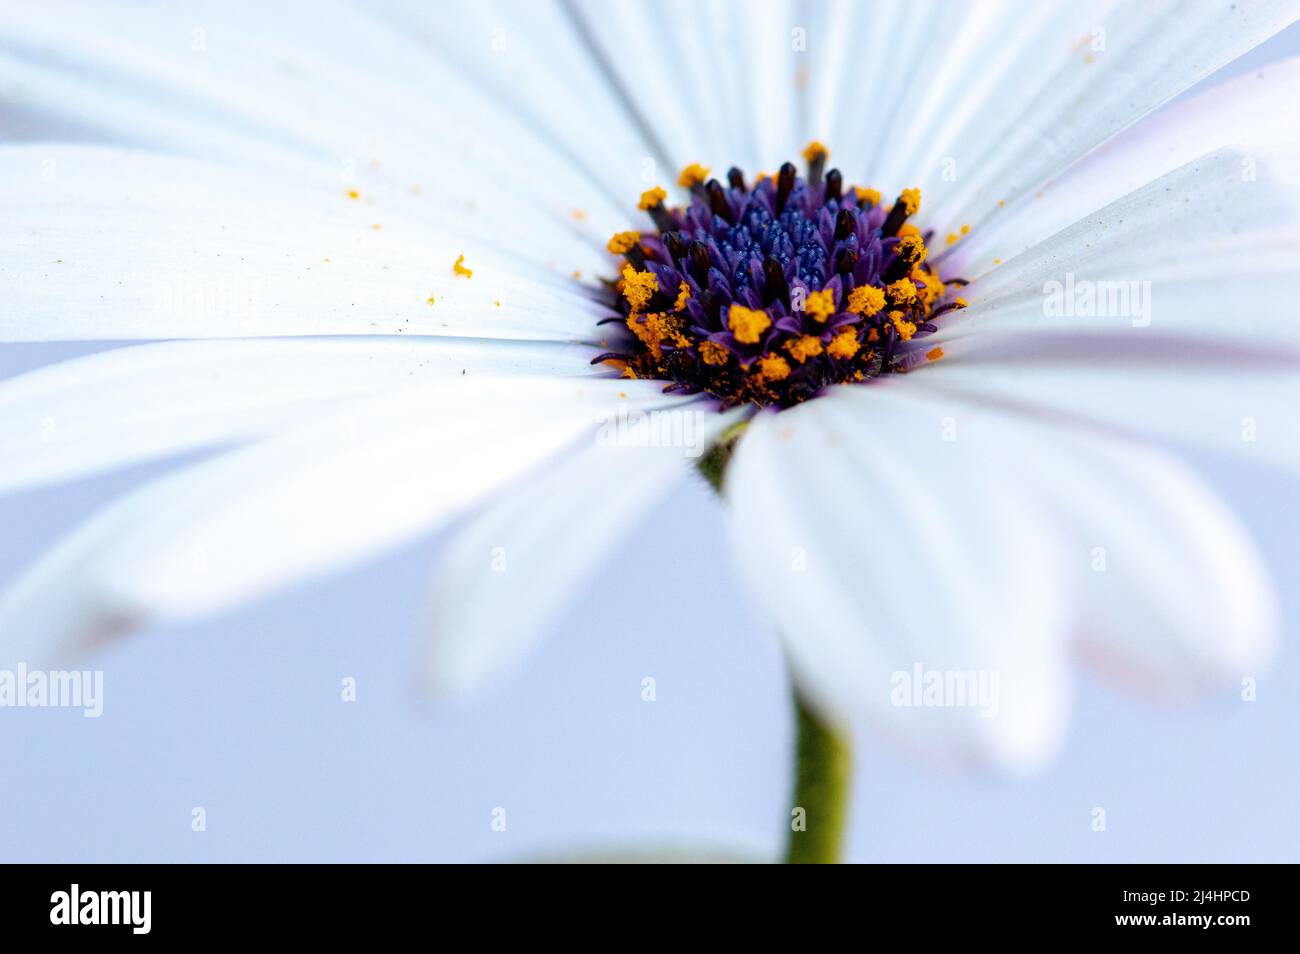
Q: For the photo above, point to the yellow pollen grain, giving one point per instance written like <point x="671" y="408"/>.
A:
<point x="430" y="300"/>
<point x="934" y="354"/>
<point x="844" y="345"/>
<point x="683" y="296"/>
<point x="377" y="226"/>
<point x="620" y="243"/>
<point x="952" y="238"/>
<point x="713" y="353"/>
<point x="354" y="194"/>
<point x="693" y="175"/>
<point x="773" y="367"/>
<point x="911" y="249"/>
<point x="866" y="300"/>
<point x="911" y="200"/>
<point x="458" y="267"/>
<point x="867" y="196"/>
<point x="901" y="292"/>
<point x="997" y="261"/>
<point x="820" y="305"/>
<point x="961" y="303"/>
<point x="651" y="198"/>
<point x="965" y="230"/>
<point x="579" y="215"/>
<point x="804" y="347"/>
<point x="638" y="287"/>
<point x="814" y="151"/>
<point x="904" y="327"/>
<point x="747" y="324"/>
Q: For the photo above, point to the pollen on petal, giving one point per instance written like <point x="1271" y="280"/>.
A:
<point x="638" y="287"/>
<point x="623" y="242"/>
<point x="651" y="198"/>
<point x="693" y="175"/>
<point x="713" y="354"/>
<point x="844" y="345"/>
<point x="773" y="367"/>
<point x="934" y="354"/>
<point x="820" y="305"/>
<point x="683" y="296"/>
<point x="354" y="194"/>
<point x="804" y="347"/>
<point x="747" y="324"/>
<point x="866" y="300"/>
<point x="458" y="267"/>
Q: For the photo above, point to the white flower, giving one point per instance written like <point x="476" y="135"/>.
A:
<point x="290" y="195"/>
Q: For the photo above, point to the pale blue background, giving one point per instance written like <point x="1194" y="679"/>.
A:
<point x="242" y="716"/>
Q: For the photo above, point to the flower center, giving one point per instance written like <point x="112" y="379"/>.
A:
<point x="766" y="294"/>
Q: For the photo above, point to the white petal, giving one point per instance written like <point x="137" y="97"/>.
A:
<point x="1205" y="253"/>
<point x="878" y="546"/>
<point x="131" y="404"/>
<point x="310" y="502"/>
<point x="122" y="245"/>
<point x="1246" y="113"/>
<point x="503" y="578"/>
<point x="1090" y="71"/>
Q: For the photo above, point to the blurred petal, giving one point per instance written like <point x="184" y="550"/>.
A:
<point x="853" y="525"/>
<point x="310" y="502"/>
<point x="503" y="578"/>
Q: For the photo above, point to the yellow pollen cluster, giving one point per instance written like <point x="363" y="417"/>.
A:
<point x="458" y="267"/>
<point x="773" y="367"/>
<point x="623" y="242"/>
<point x="911" y="199"/>
<point x="747" y="324"/>
<point x="651" y="198"/>
<point x="932" y="285"/>
<point x="844" y="345"/>
<point x="904" y="327"/>
<point x="901" y="292"/>
<point x="693" y="175"/>
<point x="867" y="196"/>
<point x="911" y="249"/>
<point x="814" y="151"/>
<point x="657" y="329"/>
<point x="804" y="347"/>
<point x="820" y="305"/>
<point x="866" y="300"/>
<point x="683" y="296"/>
<point x="638" y="287"/>
<point x="713" y="353"/>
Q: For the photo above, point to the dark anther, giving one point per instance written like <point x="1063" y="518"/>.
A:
<point x="700" y="262"/>
<point x="607" y="355"/>
<point x="718" y="200"/>
<point x="834" y="185"/>
<point x="845" y="223"/>
<point x="894" y="221"/>
<point x="636" y="255"/>
<point x="777" y="288"/>
<point x="736" y="178"/>
<point x="845" y="259"/>
<point x="662" y="220"/>
<point x="676" y="247"/>
<point x="900" y="267"/>
<point x="784" y="186"/>
<point x="611" y="320"/>
<point x="712" y="308"/>
<point x="816" y="168"/>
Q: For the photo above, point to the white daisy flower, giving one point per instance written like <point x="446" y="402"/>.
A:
<point x="941" y="378"/>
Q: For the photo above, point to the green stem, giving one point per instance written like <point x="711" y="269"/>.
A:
<point x="823" y="770"/>
<point x="823" y="758"/>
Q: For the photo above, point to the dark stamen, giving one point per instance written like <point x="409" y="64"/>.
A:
<point x="718" y="200"/>
<point x="845" y="223"/>
<point x="834" y="185"/>
<point x="700" y="262"/>
<point x="784" y="185"/>
<point x="736" y="178"/>
<point x="777" y="288"/>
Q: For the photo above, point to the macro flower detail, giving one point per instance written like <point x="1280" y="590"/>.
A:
<point x="786" y="269"/>
<point x="948" y="390"/>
